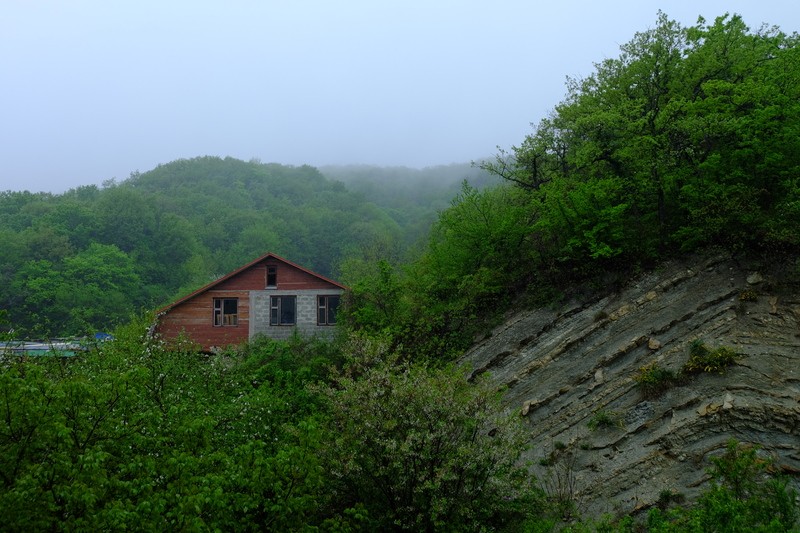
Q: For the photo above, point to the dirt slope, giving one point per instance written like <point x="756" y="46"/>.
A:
<point x="566" y="366"/>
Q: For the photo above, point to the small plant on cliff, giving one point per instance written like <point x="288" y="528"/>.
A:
<point x="704" y="359"/>
<point x="605" y="419"/>
<point x="652" y="379"/>
<point x="748" y="295"/>
<point x="560" y="482"/>
<point x="745" y="494"/>
<point x="667" y="497"/>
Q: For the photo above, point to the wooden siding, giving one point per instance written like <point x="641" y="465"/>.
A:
<point x="294" y="279"/>
<point x="194" y="315"/>
<point x="289" y="279"/>
<point x="195" y="318"/>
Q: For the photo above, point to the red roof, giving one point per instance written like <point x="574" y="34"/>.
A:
<point x="242" y="269"/>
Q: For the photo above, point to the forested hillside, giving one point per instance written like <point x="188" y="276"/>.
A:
<point x="90" y="258"/>
<point x="689" y="140"/>
<point x="408" y="194"/>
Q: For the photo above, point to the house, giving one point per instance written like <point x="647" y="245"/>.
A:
<point x="269" y="296"/>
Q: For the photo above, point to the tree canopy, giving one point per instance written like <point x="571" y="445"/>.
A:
<point x="688" y="139"/>
<point x="90" y="258"/>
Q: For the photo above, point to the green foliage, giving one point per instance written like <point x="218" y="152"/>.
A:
<point x="85" y="290"/>
<point x="376" y="297"/>
<point x="604" y="418"/>
<point x="668" y="497"/>
<point x="136" y="437"/>
<point x="421" y="448"/>
<point x="687" y="139"/>
<point x="175" y="228"/>
<point x="704" y="359"/>
<point x="476" y="255"/>
<point x="745" y="495"/>
<point x="6" y="333"/>
<point x="411" y="197"/>
<point x="653" y="380"/>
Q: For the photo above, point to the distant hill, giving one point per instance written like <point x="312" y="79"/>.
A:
<point x="86" y="259"/>
<point x="412" y="197"/>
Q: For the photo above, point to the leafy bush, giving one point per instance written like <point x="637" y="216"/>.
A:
<point x="745" y="495"/>
<point x="704" y="359"/>
<point x="652" y="379"/>
<point x="135" y="437"/>
<point x="667" y="497"/>
<point x="605" y="419"/>
<point x="422" y="449"/>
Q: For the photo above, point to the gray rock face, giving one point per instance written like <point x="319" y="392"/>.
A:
<point x="564" y="368"/>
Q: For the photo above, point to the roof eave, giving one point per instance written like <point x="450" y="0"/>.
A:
<point x="233" y="273"/>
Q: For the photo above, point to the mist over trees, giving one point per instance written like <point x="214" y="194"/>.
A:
<point x="689" y="139"/>
<point x="94" y="256"/>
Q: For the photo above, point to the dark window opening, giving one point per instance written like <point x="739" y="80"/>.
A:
<point x="326" y="310"/>
<point x="226" y="311"/>
<point x="272" y="276"/>
<point x="282" y="310"/>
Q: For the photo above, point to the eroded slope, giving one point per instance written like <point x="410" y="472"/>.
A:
<point x="567" y="367"/>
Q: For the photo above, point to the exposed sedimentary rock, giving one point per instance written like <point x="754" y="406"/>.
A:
<point x="565" y="367"/>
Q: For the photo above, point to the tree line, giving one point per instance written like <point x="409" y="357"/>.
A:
<point x="685" y="141"/>
<point x="90" y="258"/>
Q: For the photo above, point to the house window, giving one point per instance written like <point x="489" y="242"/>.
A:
<point x="282" y="310"/>
<point x="272" y="277"/>
<point x="326" y="310"/>
<point x="226" y="311"/>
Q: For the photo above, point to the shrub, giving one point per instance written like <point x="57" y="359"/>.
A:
<point x="652" y="379"/>
<point x="667" y="497"/>
<point x="560" y="482"/>
<point x="605" y="419"/>
<point x="422" y="448"/>
<point x="703" y="359"/>
<point x="745" y="494"/>
<point x="748" y="295"/>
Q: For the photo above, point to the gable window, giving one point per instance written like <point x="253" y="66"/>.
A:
<point x="226" y="311"/>
<point x="272" y="277"/>
<point x="326" y="310"/>
<point x="282" y="310"/>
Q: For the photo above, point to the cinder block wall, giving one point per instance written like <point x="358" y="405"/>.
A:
<point x="306" y="319"/>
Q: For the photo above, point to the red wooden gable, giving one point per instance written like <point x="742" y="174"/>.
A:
<point x="250" y="277"/>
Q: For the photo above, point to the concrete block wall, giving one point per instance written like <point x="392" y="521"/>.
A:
<point x="305" y="319"/>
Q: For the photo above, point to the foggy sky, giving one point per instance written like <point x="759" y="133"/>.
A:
<point x="93" y="90"/>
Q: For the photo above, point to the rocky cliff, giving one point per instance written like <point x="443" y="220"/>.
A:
<point x="576" y="366"/>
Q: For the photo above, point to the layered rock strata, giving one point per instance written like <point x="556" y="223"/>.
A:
<point x="597" y="440"/>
